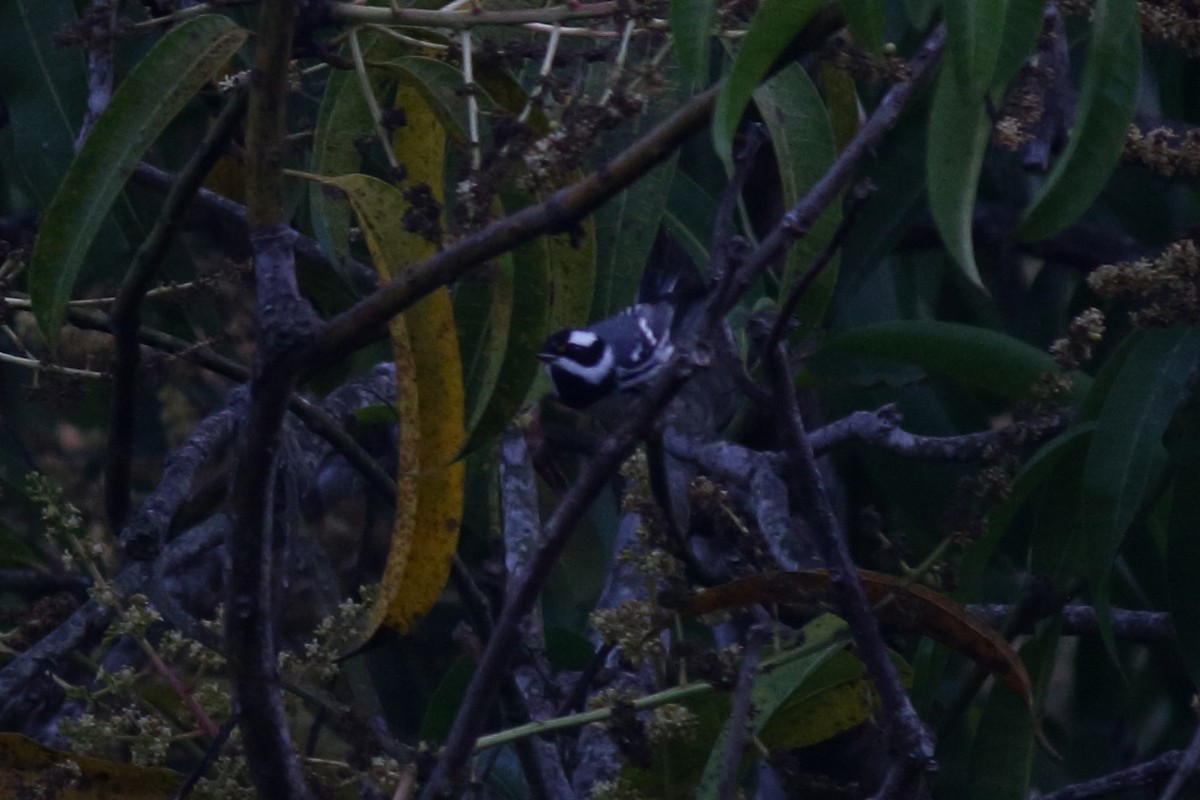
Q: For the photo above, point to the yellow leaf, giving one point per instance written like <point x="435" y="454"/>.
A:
<point x="429" y="483"/>
<point x="28" y="769"/>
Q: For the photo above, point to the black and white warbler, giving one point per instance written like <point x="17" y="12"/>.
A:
<point x="618" y="354"/>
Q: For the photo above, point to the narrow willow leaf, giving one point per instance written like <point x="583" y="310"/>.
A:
<point x="802" y="138"/>
<point x="343" y="118"/>
<point x="974" y="31"/>
<point x="1034" y="476"/>
<point x="45" y="90"/>
<point x="691" y="24"/>
<point x="865" y="18"/>
<point x="25" y="765"/>
<point x="182" y="62"/>
<point x="429" y="479"/>
<point x="1127" y="455"/>
<point x="1022" y="25"/>
<point x="772" y="29"/>
<point x="776" y="695"/>
<point x="1107" y="101"/>
<point x="1183" y="557"/>
<point x="519" y="368"/>
<point x="440" y="85"/>
<point x="689" y="216"/>
<point x="1001" y="760"/>
<point x="483" y="308"/>
<point x="958" y="133"/>
<point x="975" y="357"/>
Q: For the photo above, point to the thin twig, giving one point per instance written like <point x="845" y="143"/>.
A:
<point x="354" y="13"/>
<point x="368" y="93"/>
<point x="910" y="738"/>
<point x="126" y="310"/>
<point x="556" y="532"/>
<point x="1145" y="774"/>
<point x="739" y="715"/>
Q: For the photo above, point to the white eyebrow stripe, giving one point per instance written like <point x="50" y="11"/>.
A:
<point x="582" y="338"/>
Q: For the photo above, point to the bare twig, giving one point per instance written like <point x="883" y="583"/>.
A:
<point x="556" y="532"/>
<point x="1186" y="770"/>
<point x="354" y="13"/>
<point x="100" y="64"/>
<point x="910" y="738"/>
<point x="1145" y="774"/>
<point x="1143" y="627"/>
<point x="739" y="715"/>
<point x="126" y="311"/>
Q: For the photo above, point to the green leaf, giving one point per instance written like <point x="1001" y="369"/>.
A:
<point x="1127" y="455"/>
<point x="802" y="138"/>
<point x="155" y="91"/>
<point x="772" y="29"/>
<point x="625" y="231"/>
<point x="342" y="118"/>
<point x="1044" y="464"/>
<point x="865" y="18"/>
<point x="483" y="308"/>
<point x="978" y="358"/>
<point x="1002" y="754"/>
<point x="1183" y="556"/>
<point x="958" y="133"/>
<point x="1107" y="102"/>
<point x="689" y="216"/>
<point x="531" y="305"/>
<point x="44" y="91"/>
<point x="1022" y="26"/>
<point x="973" y="35"/>
<point x="691" y="29"/>
<point x="445" y="700"/>
<point x="441" y="87"/>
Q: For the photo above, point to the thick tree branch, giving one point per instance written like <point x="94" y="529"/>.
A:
<point x="283" y="318"/>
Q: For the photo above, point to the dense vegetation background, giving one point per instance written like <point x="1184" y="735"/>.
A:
<point x="911" y="512"/>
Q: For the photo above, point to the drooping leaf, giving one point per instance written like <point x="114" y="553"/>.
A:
<point x="625" y="231"/>
<point x="838" y="696"/>
<point x="691" y="31"/>
<point x="911" y="608"/>
<point x="151" y="95"/>
<point x="802" y="139"/>
<point x="342" y="119"/>
<point x="1002" y="753"/>
<point x="1033" y="476"/>
<point x="689" y="216"/>
<point x="1127" y="455"/>
<point x="440" y="86"/>
<point x="1107" y="102"/>
<point x="841" y="99"/>
<point x="975" y="357"/>
<point x="958" y="134"/>
<point x="772" y="29"/>
<point x="519" y="367"/>
<point x="973" y="36"/>
<point x="781" y="694"/>
<point x="865" y="18"/>
<point x="45" y="91"/>
<point x="1183" y="557"/>
<point x="429" y="384"/>
<point x="1023" y="21"/>
<point x="483" y="309"/>
<point x="25" y="766"/>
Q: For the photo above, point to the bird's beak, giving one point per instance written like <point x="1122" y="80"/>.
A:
<point x="546" y="358"/>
